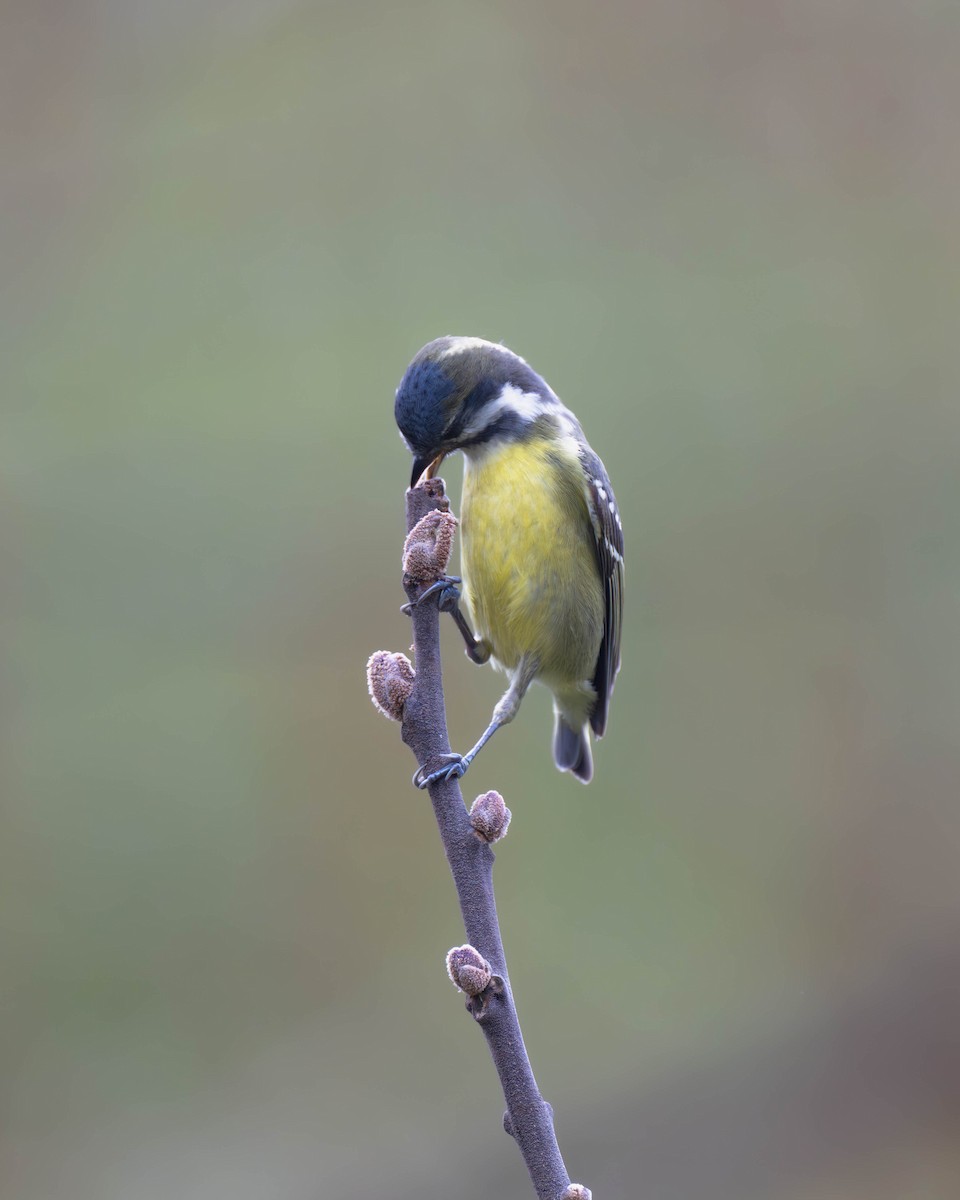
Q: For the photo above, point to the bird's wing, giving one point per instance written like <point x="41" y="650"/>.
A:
<point x="608" y="532"/>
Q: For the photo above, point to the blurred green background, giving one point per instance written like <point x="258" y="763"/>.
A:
<point x="727" y="234"/>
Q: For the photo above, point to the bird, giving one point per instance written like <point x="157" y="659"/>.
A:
<point x="541" y="538"/>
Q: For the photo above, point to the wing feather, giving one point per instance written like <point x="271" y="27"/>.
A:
<point x="608" y="532"/>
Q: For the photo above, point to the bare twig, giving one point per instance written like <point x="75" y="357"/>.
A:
<point x="479" y="968"/>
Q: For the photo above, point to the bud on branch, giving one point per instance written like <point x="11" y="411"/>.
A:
<point x="490" y="817"/>
<point x="390" y="681"/>
<point x="427" y="549"/>
<point x="469" y="971"/>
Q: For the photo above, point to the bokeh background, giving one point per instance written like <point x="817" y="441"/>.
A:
<point x="727" y="234"/>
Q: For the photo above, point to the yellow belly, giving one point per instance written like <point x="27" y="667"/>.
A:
<point x="530" y="571"/>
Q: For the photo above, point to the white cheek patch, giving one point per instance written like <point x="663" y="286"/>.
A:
<point x="526" y="405"/>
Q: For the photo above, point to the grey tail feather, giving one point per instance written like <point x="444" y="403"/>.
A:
<point x="571" y="750"/>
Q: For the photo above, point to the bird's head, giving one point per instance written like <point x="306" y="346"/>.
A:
<point x="460" y="392"/>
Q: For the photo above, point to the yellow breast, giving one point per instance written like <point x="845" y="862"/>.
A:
<point x="530" y="570"/>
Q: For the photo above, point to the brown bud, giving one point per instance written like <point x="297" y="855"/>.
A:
<point x="490" y="817"/>
<point x="576" y="1191"/>
<point x="426" y="551"/>
<point x="390" y="681"/>
<point x="468" y="970"/>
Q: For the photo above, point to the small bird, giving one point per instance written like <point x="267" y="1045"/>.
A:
<point x="542" y="542"/>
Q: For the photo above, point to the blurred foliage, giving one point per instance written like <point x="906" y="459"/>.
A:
<point x="727" y="236"/>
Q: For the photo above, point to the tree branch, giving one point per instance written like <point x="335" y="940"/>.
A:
<point x="529" y="1118"/>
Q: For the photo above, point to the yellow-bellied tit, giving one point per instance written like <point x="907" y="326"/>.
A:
<point x="542" y="542"/>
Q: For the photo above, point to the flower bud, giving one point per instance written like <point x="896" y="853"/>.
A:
<point x="576" y="1191"/>
<point x="426" y="551"/>
<point x="469" y="971"/>
<point x="490" y="817"/>
<point x="390" y="681"/>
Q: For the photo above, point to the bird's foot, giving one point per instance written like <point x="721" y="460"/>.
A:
<point x="455" y="767"/>
<point x="446" y="591"/>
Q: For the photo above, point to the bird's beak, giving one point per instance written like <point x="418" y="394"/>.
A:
<point x="425" y="467"/>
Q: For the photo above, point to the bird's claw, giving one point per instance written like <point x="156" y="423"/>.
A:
<point x="455" y="767"/>
<point x="446" y="591"/>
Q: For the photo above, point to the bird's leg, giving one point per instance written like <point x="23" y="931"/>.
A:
<point x="506" y="709"/>
<point x="448" y="600"/>
<point x="478" y="650"/>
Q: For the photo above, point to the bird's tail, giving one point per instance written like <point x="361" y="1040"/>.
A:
<point x="571" y="749"/>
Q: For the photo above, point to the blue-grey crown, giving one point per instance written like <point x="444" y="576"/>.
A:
<point x="423" y="404"/>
